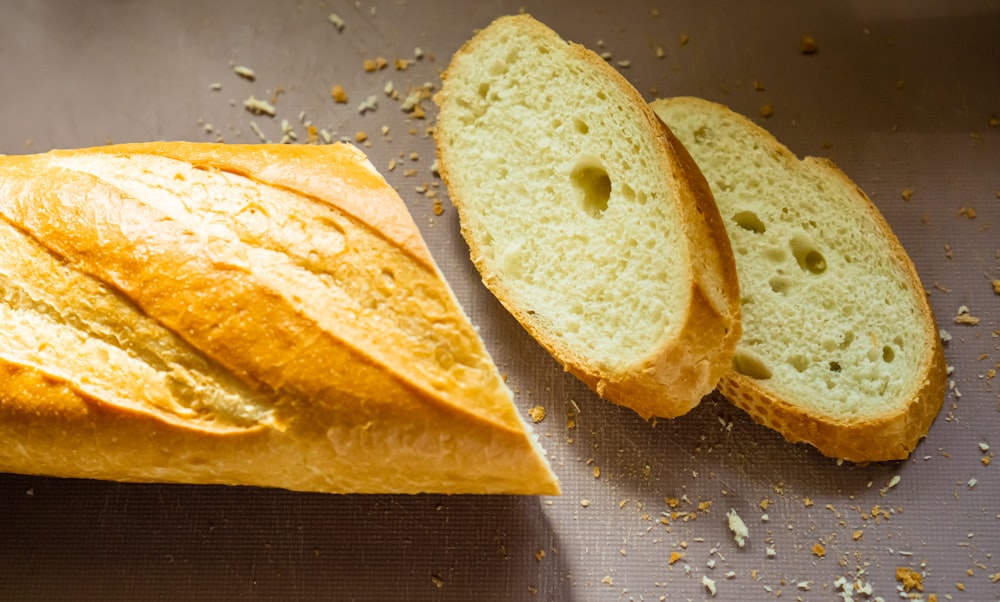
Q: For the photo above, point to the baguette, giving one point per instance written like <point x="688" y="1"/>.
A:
<point x="586" y="219"/>
<point x="263" y="315"/>
<point x="840" y="348"/>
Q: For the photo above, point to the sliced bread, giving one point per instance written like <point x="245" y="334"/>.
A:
<point x="840" y="349"/>
<point x="586" y="218"/>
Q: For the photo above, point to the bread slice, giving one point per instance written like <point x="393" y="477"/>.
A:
<point x="840" y="349"/>
<point x="586" y="218"/>
<point x="252" y="315"/>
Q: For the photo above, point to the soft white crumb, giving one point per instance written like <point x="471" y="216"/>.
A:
<point x="738" y="527"/>
<point x="709" y="584"/>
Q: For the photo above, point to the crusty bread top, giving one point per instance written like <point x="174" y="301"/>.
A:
<point x="271" y="311"/>
<point x="840" y="348"/>
<point x="585" y="218"/>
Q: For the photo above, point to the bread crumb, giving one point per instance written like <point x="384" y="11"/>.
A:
<point x="818" y="550"/>
<point x="245" y="72"/>
<point x="960" y="586"/>
<point x="996" y="286"/>
<point x="360" y="136"/>
<point x="537" y="414"/>
<point x="336" y="21"/>
<point x="660" y="52"/>
<point x="968" y="212"/>
<point x="338" y="94"/>
<point x="907" y="194"/>
<point x="259" y="107"/>
<point x="892" y="483"/>
<point x="585" y="503"/>
<point x="910" y="579"/>
<point x="807" y="502"/>
<point x="607" y="580"/>
<point x="369" y="104"/>
<point x="437" y="580"/>
<point x="376" y="64"/>
<point x="757" y="86"/>
<point x="964" y="317"/>
<point x="807" y="45"/>
<point x="857" y="535"/>
<point x="764" y="503"/>
<point x="539" y="555"/>
<point x="767" y="110"/>
<point x="738" y="527"/>
<point x="675" y="556"/>
<point x="709" y="584"/>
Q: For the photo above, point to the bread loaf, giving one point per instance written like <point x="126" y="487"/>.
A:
<point x="840" y="348"/>
<point x="586" y="218"/>
<point x="253" y="315"/>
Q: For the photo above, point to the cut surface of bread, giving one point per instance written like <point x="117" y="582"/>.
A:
<point x="251" y="315"/>
<point x="840" y="349"/>
<point x="585" y="217"/>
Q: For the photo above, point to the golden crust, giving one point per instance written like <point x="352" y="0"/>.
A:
<point x="365" y="374"/>
<point x="688" y="362"/>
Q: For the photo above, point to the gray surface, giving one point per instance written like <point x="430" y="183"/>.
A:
<point x="86" y="73"/>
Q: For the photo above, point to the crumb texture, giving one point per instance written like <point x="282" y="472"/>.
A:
<point x="563" y="193"/>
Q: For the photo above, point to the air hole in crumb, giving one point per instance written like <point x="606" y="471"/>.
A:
<point x="834" y="366"/>
<point x="799" y="362"/>
<point x="750" y="364"/>
<point x="591" y="179"/>
<point x="888" y="354"/>
<point x="748" y="220"/>
<point x="484" y="90"/>
<point x="581" y="125"/>
<point x="809" y="258"/>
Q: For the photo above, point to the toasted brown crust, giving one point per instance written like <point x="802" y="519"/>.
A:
<point x="687" y="363"/>
<point x="339" y="410"/>
<point x="891" y="435"/>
